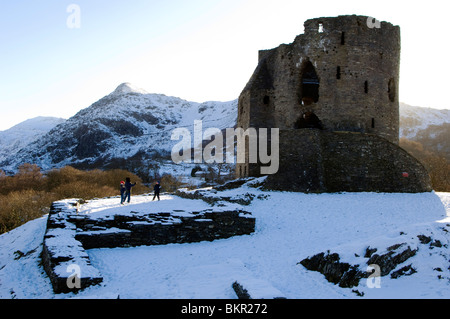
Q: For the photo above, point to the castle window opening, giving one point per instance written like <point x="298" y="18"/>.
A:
<point x="392" y="90"/>
<point x="338" y="73"/>
<point x="373" y="122"/>
<point x="320" y="27"/>
<point x="366" y="87"/>
<point x="309" y="85"/>
<point x="266" y="100"/>
<point x="342" y="38"/>
<point x="308" y="120"/>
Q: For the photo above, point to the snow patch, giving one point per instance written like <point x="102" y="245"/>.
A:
<point x="289" y="228"/>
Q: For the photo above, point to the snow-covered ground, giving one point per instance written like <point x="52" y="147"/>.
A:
<point x="289" y="228"/>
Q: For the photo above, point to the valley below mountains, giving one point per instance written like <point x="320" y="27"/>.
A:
<point x="131" y="129"/>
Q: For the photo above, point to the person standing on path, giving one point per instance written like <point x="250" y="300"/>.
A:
<point x="156" y="188"/>
<point x="128" y="187"/>
<point x="122" y="192"/>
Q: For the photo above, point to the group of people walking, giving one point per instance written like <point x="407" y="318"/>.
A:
<point x="125" y="190"/>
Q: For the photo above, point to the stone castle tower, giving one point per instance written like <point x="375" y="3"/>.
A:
<point x="333" y="93"/>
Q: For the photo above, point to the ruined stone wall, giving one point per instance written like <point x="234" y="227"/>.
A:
<point x="364" y="162"/>
<point x="358" y="72"/>
<point x="344" y="71"/>
<point x="69" y="234"/>
<point x="319" y="161"/>
<point x="301" y="161"/>
<point x="163" y="228"/>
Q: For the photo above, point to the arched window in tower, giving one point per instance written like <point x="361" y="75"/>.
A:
<point x="309" y="85"/>
<point x="308" y="120"/>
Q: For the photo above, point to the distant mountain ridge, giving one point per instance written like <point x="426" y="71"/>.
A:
<point x="127" y="124"/>
<point x="20" y="135"/>
<point x="132" y="125"/>
<point x="430" y="127"/>
<point x="416" y="118"/>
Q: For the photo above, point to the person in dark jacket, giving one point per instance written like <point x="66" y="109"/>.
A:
<point x="128" y="187"/>
<point x="156" y="188"/>
<point x="122" y="192"/>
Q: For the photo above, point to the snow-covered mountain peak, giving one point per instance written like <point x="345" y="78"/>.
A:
<point x="38" y="124"/>
<point x="126" y="88"/>
<point x="127" y="123"/>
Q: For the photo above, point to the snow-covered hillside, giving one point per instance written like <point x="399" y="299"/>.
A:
<point x="289" y="228"/>
<point x="22" y="134"/>
<point x="414" y="119"/>
<point x="126" y="123"/>
<point x="132" y="125"/>
<point x="430" y="127"/>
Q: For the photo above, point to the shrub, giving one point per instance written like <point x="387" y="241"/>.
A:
<point x="29" y="194"/>
<point x="70" y="182"/>
<point x="170" y="183"/>
<point x="28" y="177"/>
<point x="19" y="207"/>
<point x="81" y="189"/>
<point x="437" y="164"/>
<point x="439" y="170"/>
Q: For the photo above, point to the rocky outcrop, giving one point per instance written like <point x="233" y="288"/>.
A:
<point x="388" y="257"/>
<point x="211" y="197"/>
<point x="347" y="276"/>
<point x="335" y="271"/>
<point x="252" y="288"/>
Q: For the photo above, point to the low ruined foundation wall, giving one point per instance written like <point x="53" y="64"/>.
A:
<point x="69" y="234"/>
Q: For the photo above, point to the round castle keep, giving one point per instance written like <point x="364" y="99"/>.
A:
<point x="343" y="71"/>
<point x="338" y="78"/>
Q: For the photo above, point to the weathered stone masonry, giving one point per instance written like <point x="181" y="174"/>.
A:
<point x="347" y="75"/>
<point x="341" y="75"/>
<point x="69" y="234"/>
<point x="344" y="161"/>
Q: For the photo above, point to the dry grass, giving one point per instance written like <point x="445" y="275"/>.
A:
<point x="437" y="165"/>
<point x="29" y="194"/>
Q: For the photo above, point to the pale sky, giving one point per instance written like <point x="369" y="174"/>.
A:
<point x="198" y="50"/>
